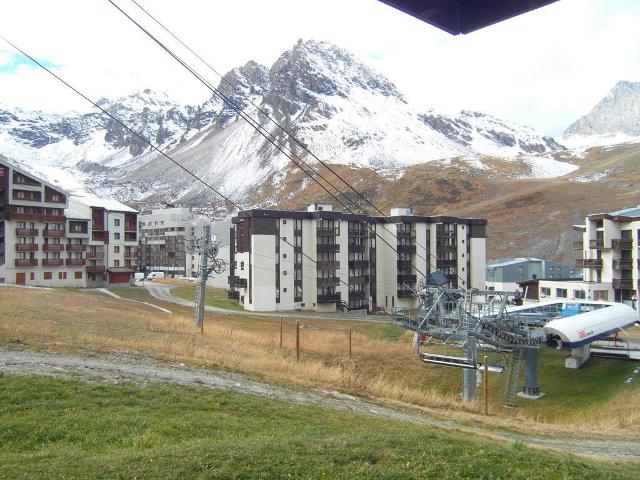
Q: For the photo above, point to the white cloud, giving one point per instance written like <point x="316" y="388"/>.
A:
<point x="544" y="68"/>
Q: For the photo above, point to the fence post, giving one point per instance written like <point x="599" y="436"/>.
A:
<point x="280" y="333"/>
<point x="349" y="342"/>
<point x="486" y="384"/>
<point x="297" y="340"/>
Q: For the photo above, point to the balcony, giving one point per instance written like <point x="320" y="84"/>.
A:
<point x="53" y="233"/>
<point x="329" y="247"/>
<point x="130" y="236"/>
<point x="26" y="247"/>
<point x="578" y="245"/>
<point x="131" y="254"/>
<point x="619" y="244"/>
<point x="405" y="293"/>
<point x="95" y="268"/>
<point x="96" y="255"/>
<point x="447" y="235"/>
<point x="359" y="263"/>
<point x="356" y="248"/>
<point x="52" y="262"/>
<point x="53" y="218"/>
<point x="406" y="278"/>
<point x="359" y="279"/>
<point x="327" y="232"/>
<point x="53" y="247"/>
<point x="623" y="264"/>
<point x="71" y="247"/>
<point x="327" y="265"/>
<point x="622" y="284"/>
<point x="328" y="282"/>
<point x="357" y="295"/>
<point x="130" y="227"/>
<point x="26" y="262"/>
<point x="406" y="249"/>
<point x="589" y="263"/>
<point x="406" y="234"/>
<point x="597" y="243"/>
<point x="75" y="261"/>
<point x="446" y="263"/>
<point x="357" y="232"/>
<point x="404" y="263"/>
<point x="27" y="217"/>
<point x="26" y="232"/>
<point x="328" y="298"/>
<point x="237" y="282"/>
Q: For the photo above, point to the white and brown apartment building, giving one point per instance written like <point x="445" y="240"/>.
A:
<point x="609" y="246"/>
<point x="609" y="261"/>
<point x="51" y="238"/>
<point x="321" y="259"/>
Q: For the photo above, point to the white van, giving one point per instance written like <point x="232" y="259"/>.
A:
<point x="138" y="276"/>
<point x="155" y="275"/>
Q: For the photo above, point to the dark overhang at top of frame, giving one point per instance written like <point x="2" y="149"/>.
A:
<point x="465" y="16"/>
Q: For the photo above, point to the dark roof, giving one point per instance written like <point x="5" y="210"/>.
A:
<point x="464" y="16"/>
<point x="258" y="213"/>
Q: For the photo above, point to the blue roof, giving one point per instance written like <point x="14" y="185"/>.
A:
<point x="628" y="212"/>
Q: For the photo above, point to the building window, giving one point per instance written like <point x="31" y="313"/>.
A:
<point x="48" y="276"/>
<point x="241" y="265"/>
<point x="284" y="272"/>
<point x="116" y="263"/>
<point x="78" y="275"/>
<point x="546" y="291"/>
<point x="284" y="290"/>
<point x="561" y="292"/>
<point x="116" y="222"/>
<point x="284" y="222"/>
<point x="579" y="294"/>
<point x="284" y="255"/>
<point x="116" y="249"/>
<point x="116" y="236"/>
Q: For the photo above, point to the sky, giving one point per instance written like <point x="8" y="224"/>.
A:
<point x="544" y="69"/>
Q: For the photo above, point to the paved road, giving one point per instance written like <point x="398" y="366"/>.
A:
<point x="162" y="292"/>
<point x="116" y="369"/>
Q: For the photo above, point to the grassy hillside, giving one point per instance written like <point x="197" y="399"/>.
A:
<point x="526" y="216"/>
<point x="62" y="429"/>
<point x="384" y="365"/>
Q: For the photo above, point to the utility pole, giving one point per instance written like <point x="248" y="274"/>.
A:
<point x="208" y="263"/>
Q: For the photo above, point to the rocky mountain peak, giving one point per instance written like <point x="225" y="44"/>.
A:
<point x="617" y="113"/>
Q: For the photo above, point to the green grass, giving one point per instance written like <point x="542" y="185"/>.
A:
<point x="215" y="297"/>
<point x="64" y="429"/>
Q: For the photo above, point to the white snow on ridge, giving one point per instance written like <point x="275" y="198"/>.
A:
<point x="584" y="142"/>
<point x="547" y="167"/>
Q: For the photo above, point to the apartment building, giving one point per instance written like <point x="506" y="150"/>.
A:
<point x="166" y="238"/>
<point x="506" y="273"/>
<point x="609" y="247"/>
<point x="321" y="259"/>
<point x="51" y="238"/>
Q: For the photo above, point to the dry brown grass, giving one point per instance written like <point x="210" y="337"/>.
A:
<point x="387" y="370"/>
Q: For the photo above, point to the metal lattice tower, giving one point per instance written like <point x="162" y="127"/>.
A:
<point x="209" y="263"/>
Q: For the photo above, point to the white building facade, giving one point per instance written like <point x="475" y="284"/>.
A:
<point x="322" y="260"/>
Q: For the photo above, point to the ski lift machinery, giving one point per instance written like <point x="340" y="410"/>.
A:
<point x="475" y="322"/>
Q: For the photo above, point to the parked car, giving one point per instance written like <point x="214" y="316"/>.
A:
<point x="155" y="275"/>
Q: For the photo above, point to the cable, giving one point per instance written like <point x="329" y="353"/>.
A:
<point x="141" y="137"/>
<point x="251" y="122"/>
<point x="272" y="120"/>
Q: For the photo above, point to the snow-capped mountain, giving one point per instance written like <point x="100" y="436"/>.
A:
<point x="342" y="110"/>
<point x="615" y="119"/>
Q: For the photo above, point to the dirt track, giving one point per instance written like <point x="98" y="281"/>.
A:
<point x="115" y="369"/>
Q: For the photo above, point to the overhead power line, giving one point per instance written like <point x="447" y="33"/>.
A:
<point x="268" y="116"/>
<point x="294" y="158"/>
<point x="143" y="138"/>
